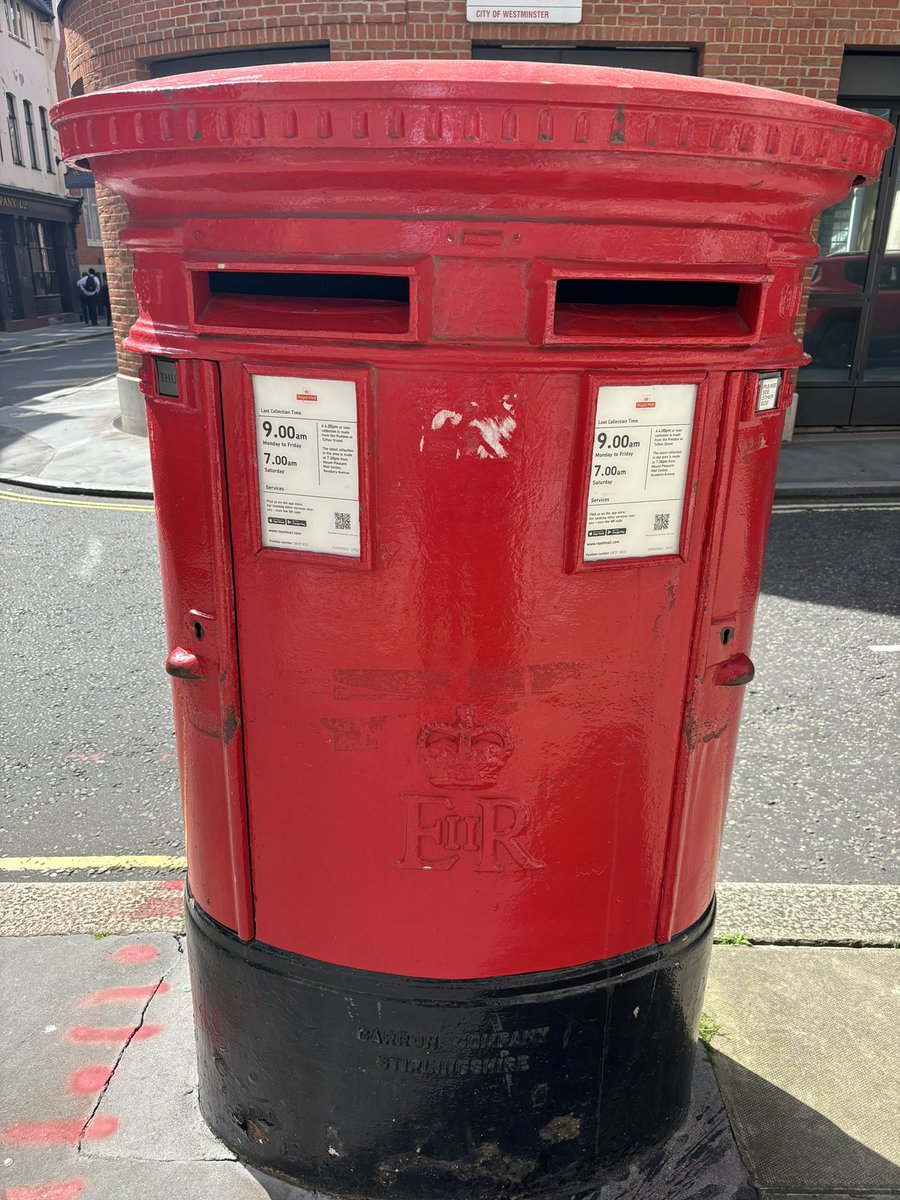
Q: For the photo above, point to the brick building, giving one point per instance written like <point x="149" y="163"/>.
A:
<point x="88" y="238"/>
<point x="844" y="50"/>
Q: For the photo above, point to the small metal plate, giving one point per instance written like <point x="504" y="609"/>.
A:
<point x="166" y="376"/>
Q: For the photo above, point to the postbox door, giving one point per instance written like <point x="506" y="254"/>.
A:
<point x="460" y="736"/>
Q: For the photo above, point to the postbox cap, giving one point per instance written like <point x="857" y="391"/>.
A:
<point x="472" y="106"/>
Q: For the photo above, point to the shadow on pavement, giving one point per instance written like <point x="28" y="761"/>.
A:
<point x="791" y="1148"/>
<point x="24" y="453"/>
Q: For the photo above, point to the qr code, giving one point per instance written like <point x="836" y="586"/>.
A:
<point x="342" y="520"/>
<point x="661" y="521"/>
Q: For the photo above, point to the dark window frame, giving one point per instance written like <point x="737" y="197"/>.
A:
<point x="29" y="134"/>
<point x="39" y="248"/>
<point x="12" y="123"/>
<point x="45" y="137"/>
<point x="246" y="56"/>
<point x="671" y="58"/>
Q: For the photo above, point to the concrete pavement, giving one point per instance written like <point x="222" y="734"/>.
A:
<point x="51" y="335"/>
<point x="806" y="1055"/>
<point x="840" y="463"/>
<point x="69" y="441"/>
<point x="795" y="1096"/>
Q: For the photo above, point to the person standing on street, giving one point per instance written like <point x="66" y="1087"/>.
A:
<point x="89" y="287"/>
<point x="104" y="301"/>
<point x="80" y="284"/>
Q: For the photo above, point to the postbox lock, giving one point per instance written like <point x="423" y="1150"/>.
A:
<point x="181" y="664"/>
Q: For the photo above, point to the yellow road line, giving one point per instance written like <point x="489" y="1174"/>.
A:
<point x="59" y="502"/>
<point x="110" y="862"/>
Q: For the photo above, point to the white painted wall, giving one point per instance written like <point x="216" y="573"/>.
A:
<point x="26" y="71"/>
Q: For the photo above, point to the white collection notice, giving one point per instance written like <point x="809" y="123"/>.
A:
<point x="307" y="451"/>
<point x="638" y="471"/>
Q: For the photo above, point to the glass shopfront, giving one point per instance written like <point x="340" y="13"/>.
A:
<point x="853" y="322"/>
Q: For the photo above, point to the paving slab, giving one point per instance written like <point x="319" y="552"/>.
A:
<point x="807" y="1062"/>
<point x="62" y="1033"/>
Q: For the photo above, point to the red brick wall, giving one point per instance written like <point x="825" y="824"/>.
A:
<point x="85" y="255"/>
<point x="794" y="46"/>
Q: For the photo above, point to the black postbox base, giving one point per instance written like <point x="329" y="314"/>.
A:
<point x="360" y="1084"/>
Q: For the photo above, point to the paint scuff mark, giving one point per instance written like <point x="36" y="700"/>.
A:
<point x="440" y="419"/>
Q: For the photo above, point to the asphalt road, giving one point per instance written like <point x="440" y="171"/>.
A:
<point x="87" y="759"/>
<point x="33" y="373"/>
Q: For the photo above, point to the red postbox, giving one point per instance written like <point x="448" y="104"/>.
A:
<point x="465" y="386"/>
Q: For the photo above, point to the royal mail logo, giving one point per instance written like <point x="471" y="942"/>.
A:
<point x="464" y="754"/>
<point x="306" y="397"/>
<point x="645" y="404"/>
<point x="487" y="832"/>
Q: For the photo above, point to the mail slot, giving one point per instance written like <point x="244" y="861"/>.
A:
<point x="465" y="386"/>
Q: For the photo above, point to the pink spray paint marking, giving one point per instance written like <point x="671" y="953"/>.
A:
<point x="57" y="1133"/>
<point x="66" y="1189"/>
<point x="137" y="952"/>
<point x="116" y="995"/>
<point x="112" y="1033"/>
<point x="89" y="1080"/>
<point x="166" y="901"/>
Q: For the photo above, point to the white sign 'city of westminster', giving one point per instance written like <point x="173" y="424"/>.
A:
<point x="565" y="13"/>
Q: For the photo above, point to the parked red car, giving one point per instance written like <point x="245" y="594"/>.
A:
<point x="830" y="335"/>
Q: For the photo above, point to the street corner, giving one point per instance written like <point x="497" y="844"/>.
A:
<point x="70" y="439"/>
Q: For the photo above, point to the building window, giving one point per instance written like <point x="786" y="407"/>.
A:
<point x="36" y="33"/>
<point x="256" y="56"/>
<point x="676" y="60"/>
<point x="45" y="138"/>
<point x="91" y="217"/>
<point x="15" y="20"/>
<point x="12" y="120"/>
<point x="40" y="255"/>
<point x="29" y="133"/>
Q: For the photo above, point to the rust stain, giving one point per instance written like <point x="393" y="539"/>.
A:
<point x="230" y="725"/>
<point x="486" y="1161"/>
<point x="561" y="1129"/>
<point x="617" y="134"/>
<point x="717" y="733"/>
<point x="691" y="724"/>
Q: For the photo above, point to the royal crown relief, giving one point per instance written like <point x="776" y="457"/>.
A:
<point x="488" y="833"/>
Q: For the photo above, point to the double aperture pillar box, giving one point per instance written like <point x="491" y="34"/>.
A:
<point x="465" y="386"/>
